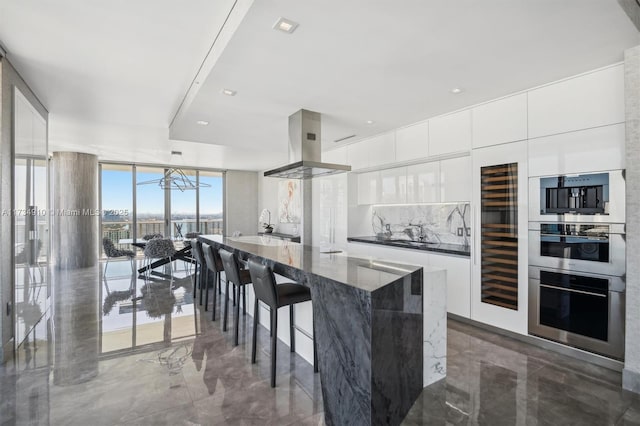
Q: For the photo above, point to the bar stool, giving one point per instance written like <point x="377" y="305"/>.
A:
<point x="240" y="278"/>
<point x="214" y="264"/>
<point x="276" y="296"/>
<point x="196" y="251"/>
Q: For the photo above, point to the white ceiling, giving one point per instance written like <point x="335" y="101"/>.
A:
<point x="113" y="74"/>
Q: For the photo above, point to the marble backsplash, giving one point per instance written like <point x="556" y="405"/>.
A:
<point x="448" y="223"/>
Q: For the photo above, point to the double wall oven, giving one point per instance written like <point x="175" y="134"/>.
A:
<point x="577" y="261"/>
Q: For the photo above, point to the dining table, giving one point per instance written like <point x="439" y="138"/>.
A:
<point x="183" y="253"/>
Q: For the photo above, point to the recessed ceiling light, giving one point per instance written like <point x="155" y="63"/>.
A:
<point x="229" y="92"/>
<point x="370" y="121"/>
<point x="202" y="122"/>
<point x="456" y="90"/>
<point x="285" y="25"/>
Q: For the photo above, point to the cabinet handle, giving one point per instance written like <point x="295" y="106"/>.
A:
<point x="475" y="235"/>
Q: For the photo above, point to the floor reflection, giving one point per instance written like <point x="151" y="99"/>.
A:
<point x="161" y="360"/>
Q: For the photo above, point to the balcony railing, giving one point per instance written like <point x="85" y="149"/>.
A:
<point x="117" y="231"/>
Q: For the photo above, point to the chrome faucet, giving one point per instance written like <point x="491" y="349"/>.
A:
<point x="422" y="234"/>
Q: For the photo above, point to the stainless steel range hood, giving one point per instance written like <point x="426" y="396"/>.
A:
<point x="305" y="150"/>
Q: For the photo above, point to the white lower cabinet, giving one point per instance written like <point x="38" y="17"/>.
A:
<point x="458" y="270"/>
<point x="458" y="282"/>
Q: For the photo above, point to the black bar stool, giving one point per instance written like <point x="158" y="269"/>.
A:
<point x="214" y="264"/>
<point x="239" y="277"/>
<point x="276" y="296"/>
<point x="196" y="250"/>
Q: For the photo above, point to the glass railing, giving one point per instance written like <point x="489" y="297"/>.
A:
<point x="118" y="231"/>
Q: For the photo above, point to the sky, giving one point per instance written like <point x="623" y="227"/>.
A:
<point x="117" y="194"/>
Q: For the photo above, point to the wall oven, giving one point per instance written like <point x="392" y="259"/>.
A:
<point x="587" y="247"/>
<point x="589" y="197"/>
<point x="580" y="309"/>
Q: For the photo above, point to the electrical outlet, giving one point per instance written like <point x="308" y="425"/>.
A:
<point x="460" y="231"/>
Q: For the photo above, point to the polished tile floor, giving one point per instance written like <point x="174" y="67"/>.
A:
<point x="130" y="352"/>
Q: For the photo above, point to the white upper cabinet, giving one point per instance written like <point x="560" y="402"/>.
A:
<point x="369" y="191"/>
<point x="423" y="183"/>
<point x="587" y="150"/>
<point x="335" y="156"/>
<point x="455" y="180"/>
<point x="393" y="184"/>
<point x="501" y="121"/>
<point x="382" y="149"/>
<point x="590" y="100"/>
<point x="376" y="151"/>
<point x="450" y="133"/>
<point x="412" y="142"/>
<point x="358" y="156"/>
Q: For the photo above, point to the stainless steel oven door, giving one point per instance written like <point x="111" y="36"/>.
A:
<point x="563" y="308"/>
<point x="614" y="209"/>
<point x="594" y="248"/>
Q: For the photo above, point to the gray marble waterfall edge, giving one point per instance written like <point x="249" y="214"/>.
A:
<point x="370" y="342"/>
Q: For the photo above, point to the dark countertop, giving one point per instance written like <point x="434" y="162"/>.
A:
<point x="362" y="273"/>
<point x="435" y="247"/>
<point x="294" y="238"/>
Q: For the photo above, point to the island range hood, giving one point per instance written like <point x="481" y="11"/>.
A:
<point x="305" y="150"/>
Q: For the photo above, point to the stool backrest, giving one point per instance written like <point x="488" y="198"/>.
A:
<point x="231" y="266"/>
<point x="212" y="258"/>
<point x="196" y="250"/>
<point x="264" y="282"/>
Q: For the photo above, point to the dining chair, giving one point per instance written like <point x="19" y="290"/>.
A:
<point x="159" y="248"/>
<point x="112" y="252"/>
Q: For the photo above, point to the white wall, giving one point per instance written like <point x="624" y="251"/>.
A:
<point x="241" y="202"/>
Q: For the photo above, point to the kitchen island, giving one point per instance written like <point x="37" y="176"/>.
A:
<point x="368" y="326"/>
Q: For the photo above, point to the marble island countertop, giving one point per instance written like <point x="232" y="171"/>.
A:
<point x="368" y="325"/>
<point x="363" y="273"/>
<point x="416" y="245"/>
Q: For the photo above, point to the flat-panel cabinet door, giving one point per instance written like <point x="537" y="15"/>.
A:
<point x="381" y="149"/>
<point x="455" y="180"/>
<point x="450" y="133"/>
<point x="423" y="183"/>
<point x="412" y="142"/>
<point x="499" y="294"/>
<point x="369" y="191"/>
<point x="458" y="282"/>
<point x="393" y="185"/>
<point x="358" y="156"/>
<point x="501" y="121"/>
<point x="590" y="100"/>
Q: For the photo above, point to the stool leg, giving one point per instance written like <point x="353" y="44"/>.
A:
<point x="206" y="290"/>
<point x="195" y="279"/>
<point x="244" y="300"/>
<point x="292" y="336"/>
<point x="315" y="348"/>
<point x="237" y="318"/>
<point x="270" y="322"/>
<point x="274" y="342"/>
<point x="216" y="281"/>
<point x="200" y="280"/>
<point x="226" y="306"/>
<point x="219" y="282"/>
<point x="255" y="332"/>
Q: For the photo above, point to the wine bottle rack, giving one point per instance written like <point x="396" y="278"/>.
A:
<point x="499" y="235"/>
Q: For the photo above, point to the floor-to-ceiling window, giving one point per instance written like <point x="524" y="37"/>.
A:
<point x="137" y="200"/>
<point x="31" y="228"/>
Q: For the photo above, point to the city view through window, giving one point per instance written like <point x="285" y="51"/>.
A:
<point x="171" y="213"/>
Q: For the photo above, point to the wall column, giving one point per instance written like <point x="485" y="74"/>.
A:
<point x="75" y="267"/>
<point x="631" y="372"/>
